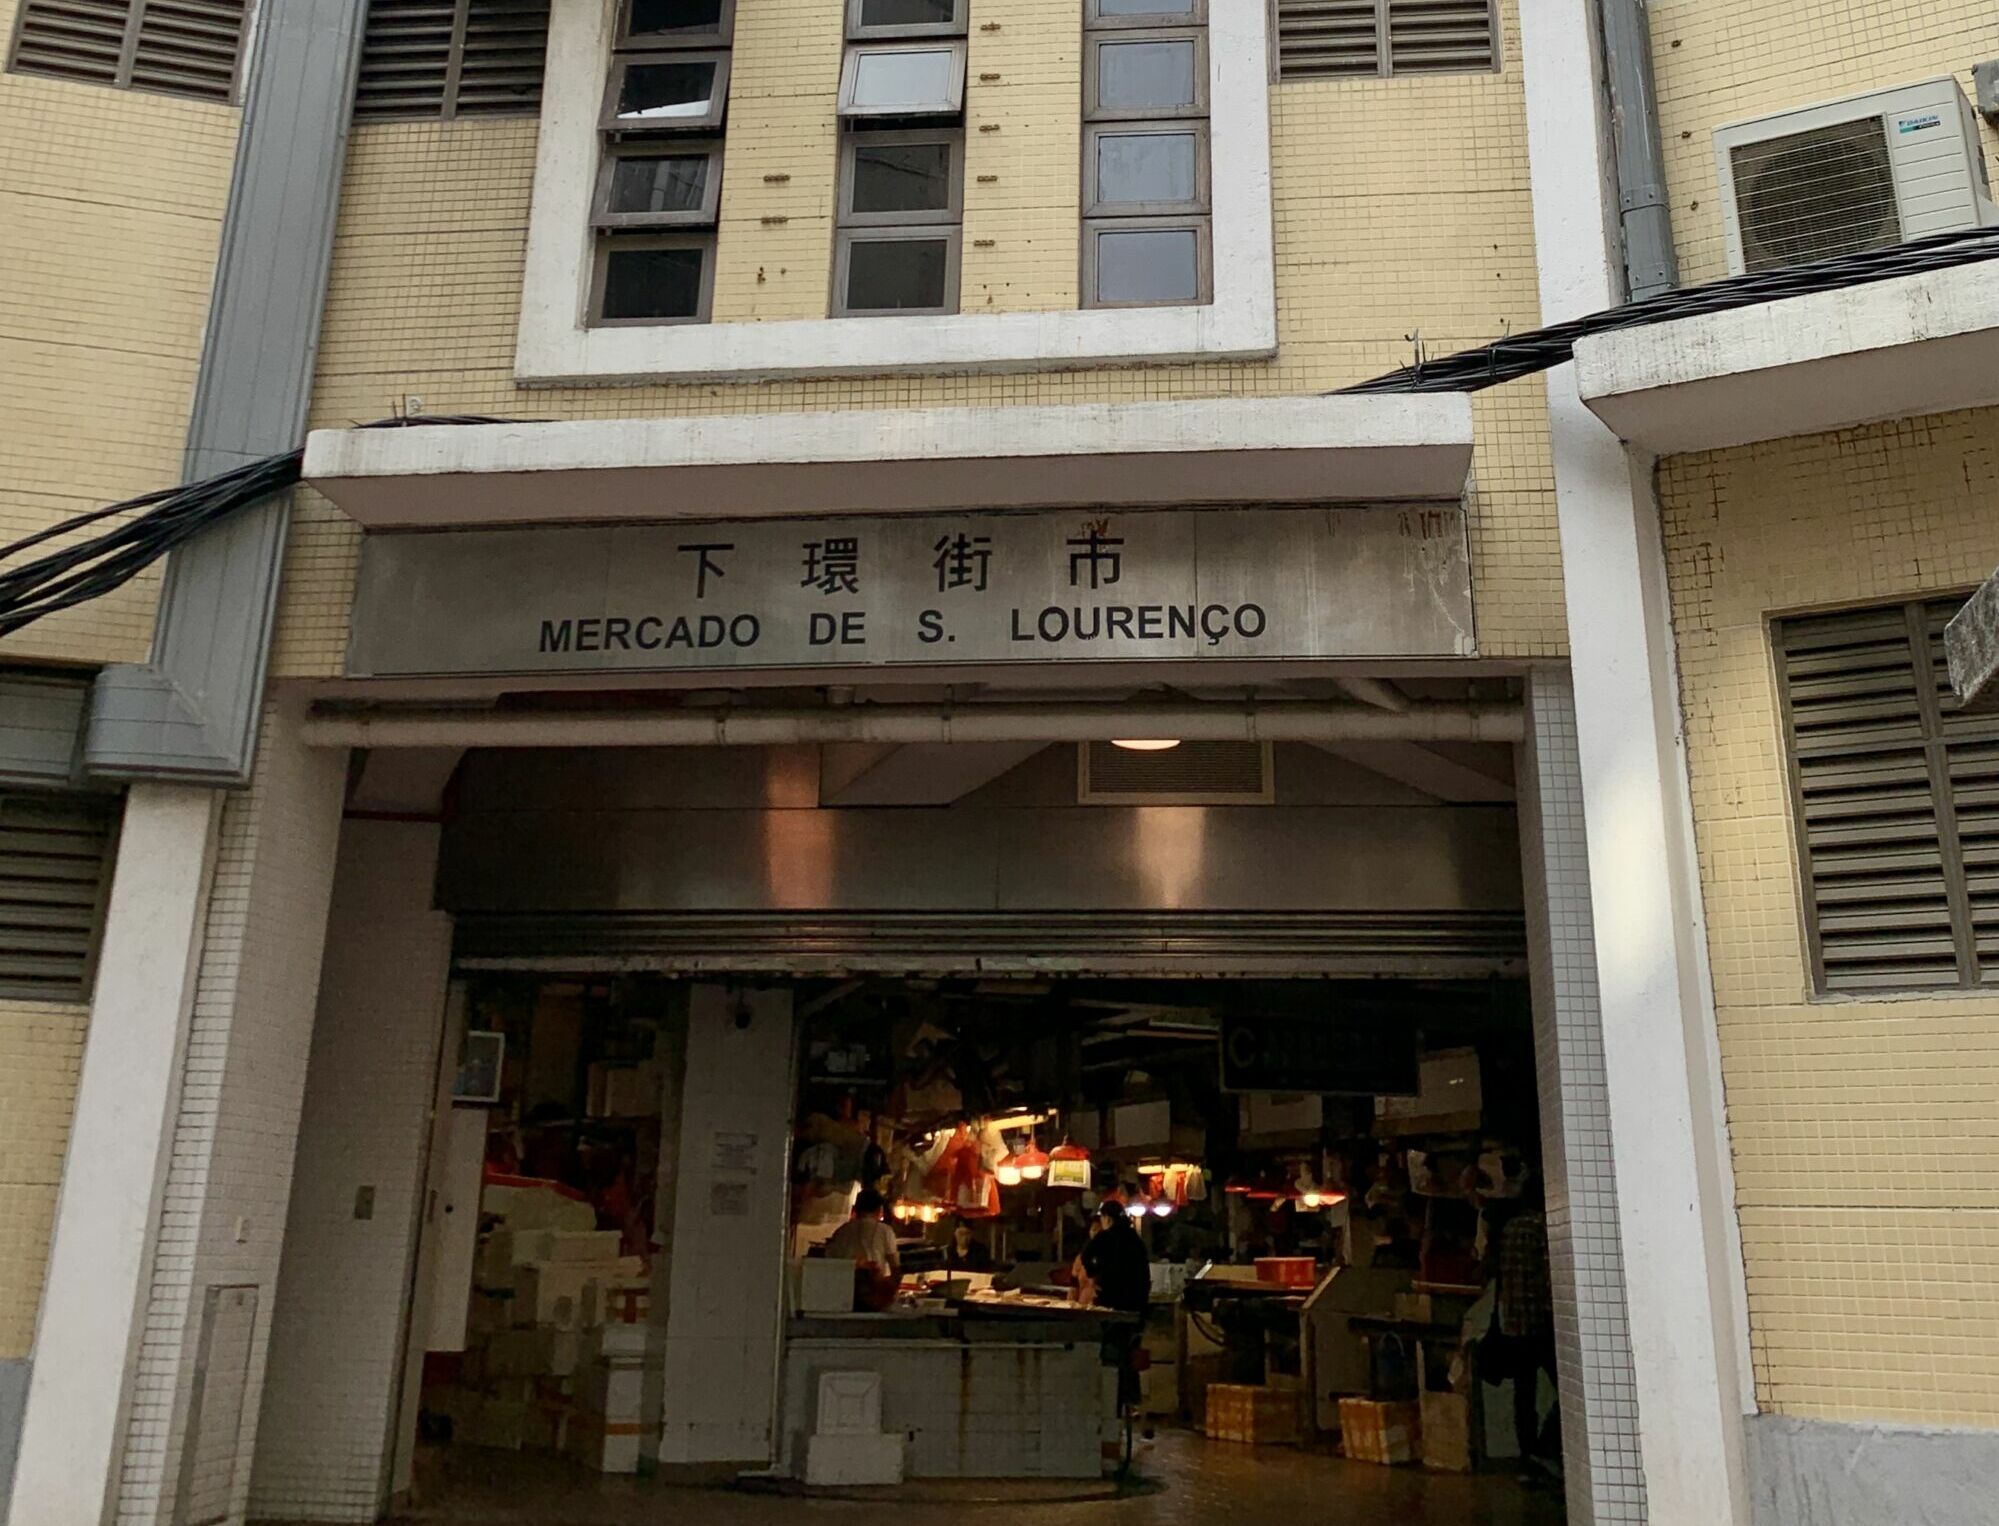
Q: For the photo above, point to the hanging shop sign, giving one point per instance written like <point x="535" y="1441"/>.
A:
<point x="1335" y="1055"/>
<point x="900" y="591"/>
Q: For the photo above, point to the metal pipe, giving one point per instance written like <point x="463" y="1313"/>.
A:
<point x="1644" y="215"/>
<point x="1472" y="721"/>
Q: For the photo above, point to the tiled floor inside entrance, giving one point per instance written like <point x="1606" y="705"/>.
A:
<point x="1188" y="1482"/>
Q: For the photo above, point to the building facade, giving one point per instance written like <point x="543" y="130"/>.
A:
<point x="884" y="295"/>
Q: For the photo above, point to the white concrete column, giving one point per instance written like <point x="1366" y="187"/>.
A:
<point x="1676" y="1213"/>
<point x="100" y="1259"/>
<point x="325" y="1441"/>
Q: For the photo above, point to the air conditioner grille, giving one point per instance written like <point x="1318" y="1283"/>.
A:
<point x="1193" y="772"/>
<point x="1812" y="195"/>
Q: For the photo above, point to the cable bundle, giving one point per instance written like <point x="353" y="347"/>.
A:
<point x="64" y="579"/>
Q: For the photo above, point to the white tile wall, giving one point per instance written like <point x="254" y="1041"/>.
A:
<point x="724" y="1259"/>
<point x="1606" y="1484"/>
<point x="234" y="1137"/>
<point x="324" y="1440"/>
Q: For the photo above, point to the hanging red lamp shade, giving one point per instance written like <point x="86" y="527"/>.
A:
<point x="1068" y="1165"/>
<point x="1033" y="1162"/>
<point x="1008" y="1171"/>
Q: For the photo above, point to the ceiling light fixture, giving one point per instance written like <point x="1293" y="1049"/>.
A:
<point x="1142" y="745"/>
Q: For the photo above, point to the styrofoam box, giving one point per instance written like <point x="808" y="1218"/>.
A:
<point x="825" y="1286"/>
<point x="833" y="1462"/>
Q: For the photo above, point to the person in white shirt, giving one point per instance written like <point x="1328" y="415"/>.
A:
<point x="865" y="1239"/>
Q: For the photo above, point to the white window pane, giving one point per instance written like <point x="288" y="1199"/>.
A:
<point x="1146" y="74"/>
<point x="1149" y="265"/>
<point x="1137" y="167"/>
<point x="663" y="92"/>
<point x="906" y="80"/>
<point x="1145" y="7"/>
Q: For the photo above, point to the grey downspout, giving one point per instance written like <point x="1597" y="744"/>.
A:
<point x="1644" y="217"/>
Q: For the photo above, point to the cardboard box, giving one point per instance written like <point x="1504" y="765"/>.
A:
<point x="553" y="1292"/>
<point x="1258" y="1415"/>
<point x="1373" y="1431"/>
<point x="1446" y="1439"/>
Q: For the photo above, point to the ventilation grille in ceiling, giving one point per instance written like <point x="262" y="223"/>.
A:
<point x="452" y="58"/>
<point x="1194" y="773"/>
<point x="174" y="47"/>
<point x="1331" y="39"/>
<point x="55" y="855"/>
<point x="1812" y="195"/>
<point x="1897" y="800"/>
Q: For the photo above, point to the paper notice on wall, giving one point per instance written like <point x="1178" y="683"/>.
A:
<point x="729" y="1200"/>
<point x="733" y="1154"/>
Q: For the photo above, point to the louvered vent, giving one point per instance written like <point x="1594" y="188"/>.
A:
<point x="1194" y="773"/>
<point x="175" y="47"/>
<point x="1812" y="195"/>
<point x="1897" y="798"/>
<point x="452" y="58"/>
<point x="1326" y="39"/>
<point x="55" y="855"/>
<point x="1330" y="39"/>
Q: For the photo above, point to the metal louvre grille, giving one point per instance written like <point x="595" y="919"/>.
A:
<point x="450" y="58"/>
<point x="1331" y="39"/>
<point x="55" y="856"/>
<point x="1813" y="195"/>
<point x="1192" y="773"/>
<point x="176" y="47"/>
<point x="1897" y="801"/>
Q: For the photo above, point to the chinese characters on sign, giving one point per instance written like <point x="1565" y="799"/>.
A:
<point x="902" y="590"/>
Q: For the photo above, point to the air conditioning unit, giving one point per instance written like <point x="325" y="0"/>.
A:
<point x="1867" y="172"/>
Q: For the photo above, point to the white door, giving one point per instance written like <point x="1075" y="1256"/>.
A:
<point x="455" y="1209"/>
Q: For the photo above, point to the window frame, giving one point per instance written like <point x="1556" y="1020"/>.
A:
<point x="844" y="239"/>
<point x="614" y="85"/>
<point x="850" y="78"/>
<point x="1096" y="21"/>
<point x="952" y="213"/>
<point x="958" y="26"/>
<point x="705" y="216"/>
<point x="1198" y="223"/>
<point x="1095" y="207"/>
<point x="600" y="264"/>
<point x="624" y="39"/>
<point x="1094" y="43"/>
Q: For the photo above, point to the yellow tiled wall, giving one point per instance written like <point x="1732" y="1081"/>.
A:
<point x="41" y="1050"/>
<point x="1718" y="61"/>
<point x="110" y="206"/>
<point x="1866" y="1133"/>
<point x="1402" y="213"/>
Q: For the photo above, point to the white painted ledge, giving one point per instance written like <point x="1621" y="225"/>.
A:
<point x="1890" y="349"/>
<point x="1223" y="450"/>
<point x="554" y="345"/>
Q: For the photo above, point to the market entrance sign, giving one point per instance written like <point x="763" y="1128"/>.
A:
<point x="900" y="591"/>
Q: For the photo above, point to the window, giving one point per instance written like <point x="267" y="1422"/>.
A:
<point x="1330" y="39"/>
<point x="911" y="80"/>
<point x="174" y="47"/>
<point x="55" y="872"/>
<point x="438" y="59"/>
<point x="1146" y="184"/>
<point x="1896" y="798"/>
<point x="669" y="92"/>
<point x="1147" y="74"/>
<point x="901" y="205"/>
<point x="667" y="278"/>
<point x="676" y="23"/>
<point x="906" y="18"/>
<point x="1145" y="169"/>
<point x="659" y="185"/>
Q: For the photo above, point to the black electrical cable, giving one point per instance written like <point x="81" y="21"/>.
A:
<point x="160" y="521"/>
<point x="1525" y="354"/>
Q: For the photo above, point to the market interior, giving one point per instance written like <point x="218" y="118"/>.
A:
<point x="1335" y="1183"/>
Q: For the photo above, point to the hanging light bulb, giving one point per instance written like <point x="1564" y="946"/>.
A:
<point x="1008" y="1171"/>
<point x="1145" y="745"/>
<point x="1032" y="1162"/>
